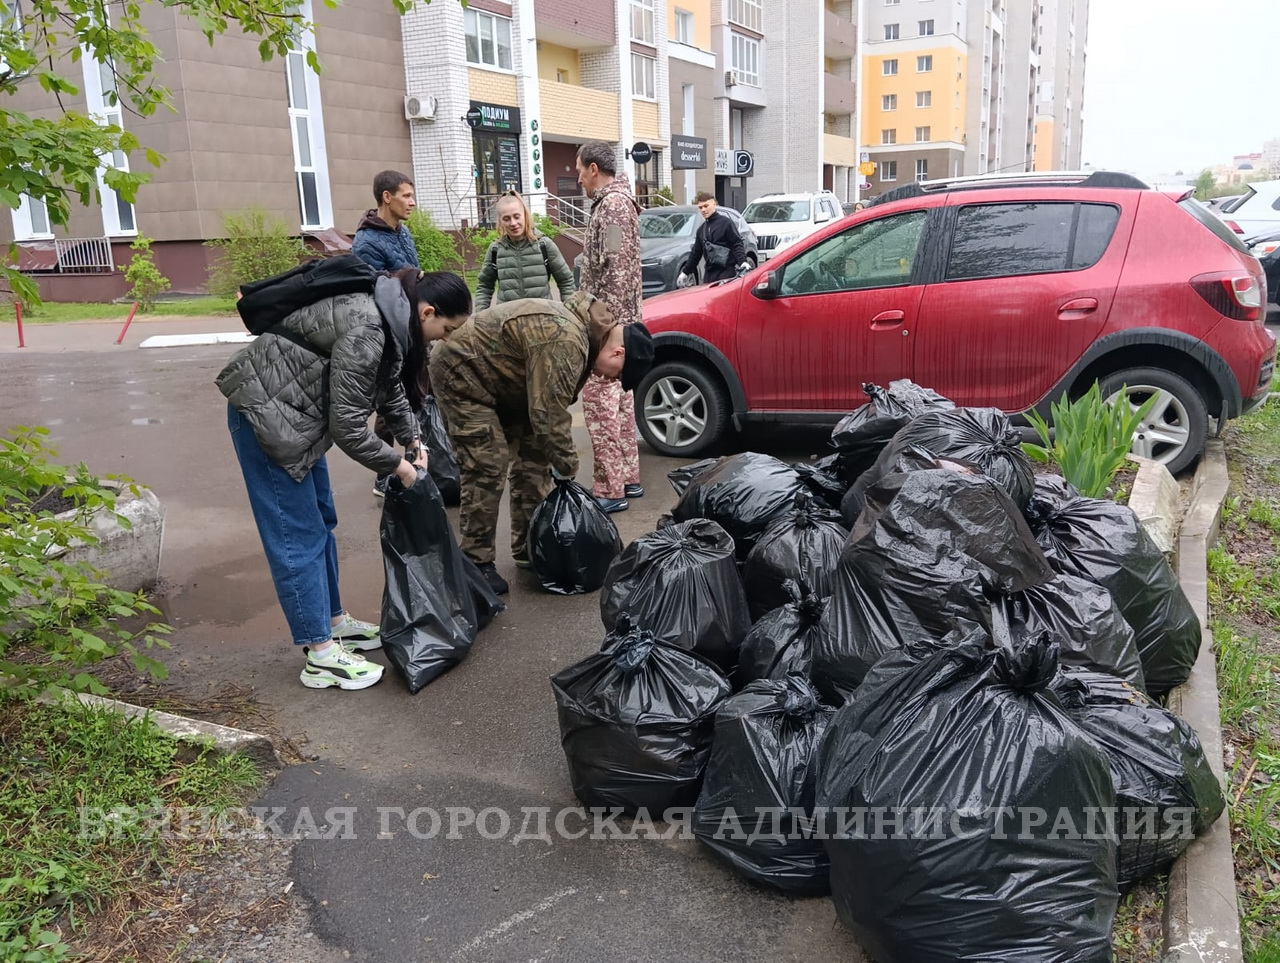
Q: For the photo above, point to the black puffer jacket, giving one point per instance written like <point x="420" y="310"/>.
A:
<point x="300" y="402"/>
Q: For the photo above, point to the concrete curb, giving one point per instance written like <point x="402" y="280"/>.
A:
<point x="223" y="739"/>
<point x="1201" y="914"/>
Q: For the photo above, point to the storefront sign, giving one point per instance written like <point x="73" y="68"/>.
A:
<point x="724" y="161"/>
<point x="497" y="117"/>
<point x="688" y="153"/>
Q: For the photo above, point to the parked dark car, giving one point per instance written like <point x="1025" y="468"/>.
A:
<point x="666" y="237"/>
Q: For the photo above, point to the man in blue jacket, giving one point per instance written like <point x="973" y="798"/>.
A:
<point x="382" y="239"/>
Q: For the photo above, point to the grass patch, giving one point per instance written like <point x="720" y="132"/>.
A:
<point x="59" y="761"/>
<point x="1138" y="933"/>
<point x="1244" y="601"/>
<point x="53" y="312"/>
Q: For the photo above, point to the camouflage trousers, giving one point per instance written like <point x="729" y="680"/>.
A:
<point x="491" y="450"/>
<point x="610" y="415"/>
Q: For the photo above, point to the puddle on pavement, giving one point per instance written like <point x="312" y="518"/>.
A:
<point x="148" y="421"/>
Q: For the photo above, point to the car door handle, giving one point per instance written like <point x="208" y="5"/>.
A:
<point x="888" y="319"/>
<point x="1077" y="308"/>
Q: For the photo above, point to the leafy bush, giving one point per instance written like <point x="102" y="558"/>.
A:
<point x="545" y="226"/>
<point x="57" y="618"/>
<point x="145" y="279"/>
<point x="1090" y="439"/>
<point x="257" y="246"/>
<point x="436" y="248"/>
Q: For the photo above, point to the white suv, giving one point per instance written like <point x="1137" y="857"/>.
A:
<point x="779" y="220"/>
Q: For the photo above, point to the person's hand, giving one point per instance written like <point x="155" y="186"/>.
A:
<point x="682" y="280"/>
<point x="407" y="473"/>
<point x="416" y="454"/>
<point x="743" y="268"/>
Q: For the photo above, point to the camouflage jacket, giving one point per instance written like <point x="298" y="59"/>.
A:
<point x="611" y="269"/>
<point x="528" y="357"/>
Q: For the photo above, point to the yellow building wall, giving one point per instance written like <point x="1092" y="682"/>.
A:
<point x="841" y="151"/>
<point x="553" y="57"/>
<point x="1043" y="146"/>
<point x="945" y="115"/>
<point x="701" y="10"/>
<point x="644" y="118"/>
<point x="580" y="113"/>
<point x="491" y="87"/>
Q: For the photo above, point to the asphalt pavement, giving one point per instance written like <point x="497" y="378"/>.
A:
<point x="483" y="737"/>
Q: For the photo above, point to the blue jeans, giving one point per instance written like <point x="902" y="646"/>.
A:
<point x="295" y="522"/>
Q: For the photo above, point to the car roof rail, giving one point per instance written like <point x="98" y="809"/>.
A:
<point x="1099" y="179"/>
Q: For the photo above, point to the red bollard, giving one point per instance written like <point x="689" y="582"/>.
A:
<point x="17" y="309"/>
<point x="127" y="321"/>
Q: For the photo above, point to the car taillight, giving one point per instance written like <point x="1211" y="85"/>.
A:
<point x="1236" y="296"/>
<point x="1234" y="226"/>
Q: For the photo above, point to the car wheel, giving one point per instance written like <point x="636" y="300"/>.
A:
<point x="1174" y="430"/>
<point x="681" y="409"/>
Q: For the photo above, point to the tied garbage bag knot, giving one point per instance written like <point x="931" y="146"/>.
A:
<point x="633" y="645"/>
<point x="1029" y="668"/>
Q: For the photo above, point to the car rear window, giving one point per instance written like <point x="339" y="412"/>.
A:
<point x="1002" y="240"/>
<point x="1213" y="223"/>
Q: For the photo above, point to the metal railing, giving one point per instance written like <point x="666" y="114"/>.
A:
<point x="84" y="255"/>
<point x="571" y="212"/>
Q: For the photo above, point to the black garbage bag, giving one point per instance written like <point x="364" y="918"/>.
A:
<point x="826" y="486"/>
<point x="983" y="437"/>
<point x="1104" y="542"/>
<point x="931" y="547"/>
<point x="682" y="584"/>
<point x="1082" y="618"/>
<point x="803" y="544"/>
<point x="1157" y="763"/>
<point x="435" y="599"/>
<point x="911" y="458"/>
<point x="744" y="493"/>
<point x="636" y="722"/>
<point x="859" y="437"/>
<point x="441" y="462"/>
<point x="680" y="477"/>
<point x="781" y="643"/>
<point x="571" y="541"/>
<point x="761" y="762"/>
<point x="998" y="852"/>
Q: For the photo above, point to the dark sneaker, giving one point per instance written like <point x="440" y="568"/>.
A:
<point x="633" y="491"/>
<point x="380" y="485"/>
<point x="522" y="561"/>
<point x="611" y="505"/>
<point x="496" y="581"/>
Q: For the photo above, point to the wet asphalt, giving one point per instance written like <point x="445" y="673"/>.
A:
<point x="484" y="736"/>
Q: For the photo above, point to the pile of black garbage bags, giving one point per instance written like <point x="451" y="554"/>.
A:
<point x="914" y="674"/>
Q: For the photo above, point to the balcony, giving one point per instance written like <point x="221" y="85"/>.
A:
<point x="578" y="113"/>
<point x="840" y="95"/>
<point x="840" y="151"/>
<point x="840" y="36"/>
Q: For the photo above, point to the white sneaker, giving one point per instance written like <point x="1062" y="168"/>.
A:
<point x="336" y="666"/>
<point x="356" y="635"/>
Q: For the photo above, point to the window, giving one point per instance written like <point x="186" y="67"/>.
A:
<point x="745" y="59"/>
<point x="309" y="160"/>
<point x="562" y="75"/>
<point x="874" y="254"/>
<point x="922" y="134"/>
<point x="924" y="64"/>
<point x="888" y="170"/>
<point x="888" y="101"/>
<point x="889" y="68"/>
<point x="30" y="219"/>
<point x="747" y="13"/>
<point x="1003" y="240"/>
<point x="924" y="98"/>
<point x="684" y="26"/>
<point x="104" y="106"/>
<point x="890" y="31"/>
<point x="922" y="169"/>
<point x="488" y="39"/>
<point x="642" y="21"/>
<point x="889" y="136"/>
<point x="926" y="28"/>
<point x="642" y="76"/>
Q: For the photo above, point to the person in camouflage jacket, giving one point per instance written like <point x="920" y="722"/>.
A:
<point x="611" y="272"/>
<point x="505" y="381"/>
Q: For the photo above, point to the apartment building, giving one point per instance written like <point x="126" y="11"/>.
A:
<point x="1062" y="41"/>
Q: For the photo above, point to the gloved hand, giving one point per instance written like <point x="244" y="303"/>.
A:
<point x="743" y="268"/>
<point x="682" y="281"/>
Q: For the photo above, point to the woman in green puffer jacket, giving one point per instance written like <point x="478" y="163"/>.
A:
<point x="521" y="261"/>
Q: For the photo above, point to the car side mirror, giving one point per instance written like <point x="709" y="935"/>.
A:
<point x="767" y="289"/>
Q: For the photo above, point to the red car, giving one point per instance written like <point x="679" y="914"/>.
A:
<point x="1001" y="291"/>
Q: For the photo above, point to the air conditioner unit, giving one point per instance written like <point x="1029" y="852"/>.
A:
<point x="730" y="78"/>
<point x="419" y="107"/>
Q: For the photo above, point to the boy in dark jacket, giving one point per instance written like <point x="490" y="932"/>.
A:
<point x="718" y="243"/>
<point x="382" y="240"/>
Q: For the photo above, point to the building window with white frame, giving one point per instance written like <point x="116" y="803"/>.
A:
<point x="684" y="27"/>
<point x="104" y="105"/>
<point x="310" y="158"/>
<point x="642" y="21"/>
<point x="924" y="63"/>
<point x="642" y="84"/>
<point x="922" y="169"/>
<point x="889" y="68"/>
<point x="747" y="13"/>
<point x="745" y="59"/>
<point x="924" y="98"/>
<point x="888" y="170"/>
<point x="890" y="31"/>
<point x="922" y="135"/>
<point x="488" y="39"/>
<point x="31" y="219"/>
<point x="926" y="28"/>
<point x="888" y="101"/>
<point x="889" y="136"/>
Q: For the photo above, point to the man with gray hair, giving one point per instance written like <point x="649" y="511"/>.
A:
<point x="611" y="272"/>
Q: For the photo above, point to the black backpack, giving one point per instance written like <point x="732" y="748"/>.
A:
<point x="264" y="304"/>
